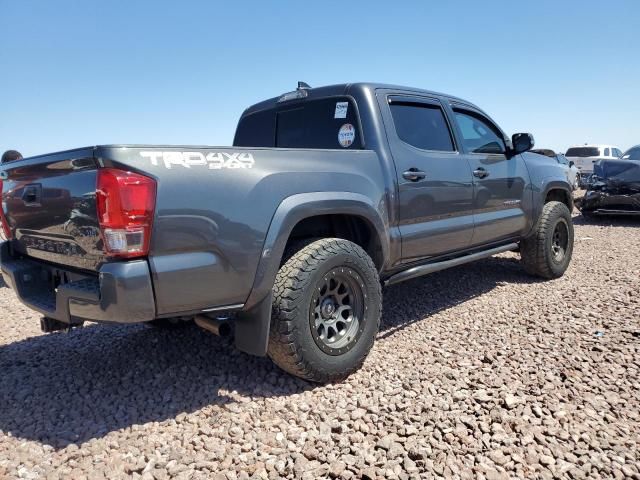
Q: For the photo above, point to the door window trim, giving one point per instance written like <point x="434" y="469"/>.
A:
<point x="424" y="102"/>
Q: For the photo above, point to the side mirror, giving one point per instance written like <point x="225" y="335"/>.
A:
<point x="521" y="142"/>
<point x="571" y="164"/>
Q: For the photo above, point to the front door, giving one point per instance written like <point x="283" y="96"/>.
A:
<point x="501" y="196"/>
<point x="435" y="188"/>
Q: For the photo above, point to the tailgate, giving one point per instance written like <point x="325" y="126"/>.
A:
<point x="50" y="206"/>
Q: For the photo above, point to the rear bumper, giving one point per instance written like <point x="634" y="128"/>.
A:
<point x="120" y="292"/>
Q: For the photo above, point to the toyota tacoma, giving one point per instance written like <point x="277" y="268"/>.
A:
<point x="287" y="237"/>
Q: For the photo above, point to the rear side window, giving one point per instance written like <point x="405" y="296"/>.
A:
<point x="422" y="126"/>
<point x="583" y="152"/>
<point x="606" y="152"/>
<point x="330" y="123"/>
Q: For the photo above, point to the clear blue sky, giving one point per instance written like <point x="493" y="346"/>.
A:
<point x="76" y="73"/>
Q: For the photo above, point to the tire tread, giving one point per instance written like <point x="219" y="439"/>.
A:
<point x="289" y="299"/>
<point x="534" y="250"/>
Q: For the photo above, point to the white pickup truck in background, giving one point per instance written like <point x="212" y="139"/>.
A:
<point x="584" y="156"/>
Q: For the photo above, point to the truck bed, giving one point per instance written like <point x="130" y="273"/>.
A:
<point x="213" y="208"/>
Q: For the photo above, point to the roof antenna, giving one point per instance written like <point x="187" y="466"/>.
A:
<point x="303" y="86"/>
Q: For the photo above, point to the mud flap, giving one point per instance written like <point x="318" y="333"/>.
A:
<point x="252" y="328"/>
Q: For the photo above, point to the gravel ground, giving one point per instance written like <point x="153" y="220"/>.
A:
<point x="478" y="372"/>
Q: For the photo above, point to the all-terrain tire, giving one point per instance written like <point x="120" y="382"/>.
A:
<point x="295" y="344"/>
<point x="547" y="252"/>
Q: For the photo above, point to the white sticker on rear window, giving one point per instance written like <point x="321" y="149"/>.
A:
<point x="346" y="135"/>
<point x="341" y="110"/>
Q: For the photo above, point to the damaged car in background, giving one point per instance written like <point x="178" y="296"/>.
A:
<point x="614" y="187"/>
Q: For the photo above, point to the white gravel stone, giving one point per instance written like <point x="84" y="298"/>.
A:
<point x="478" y="372"/>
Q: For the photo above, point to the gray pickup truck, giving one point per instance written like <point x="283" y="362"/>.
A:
<point x="286" y="238"/>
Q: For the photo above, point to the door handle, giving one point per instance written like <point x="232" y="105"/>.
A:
<point x="413" y="175"/>
<point x="480" y="173"/>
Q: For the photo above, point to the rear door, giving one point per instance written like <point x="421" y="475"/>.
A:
<point x="500" y="195"/>
<point x="435" y="190"/>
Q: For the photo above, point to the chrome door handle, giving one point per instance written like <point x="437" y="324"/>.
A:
<point x="413" y="175"/>
<point x="480" y="173"/>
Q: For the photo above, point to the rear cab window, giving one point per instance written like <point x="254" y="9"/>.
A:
<point x="324" y="123"/>
<point x="583" y="152"/>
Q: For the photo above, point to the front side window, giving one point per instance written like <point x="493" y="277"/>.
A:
<point x="478" y="135"/>
<point x="422" y="126"/>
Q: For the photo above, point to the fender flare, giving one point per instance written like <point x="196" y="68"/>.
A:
<point x="554" y="184"/>
<point x="252" y="323"/>
<point x="548" y="184"/>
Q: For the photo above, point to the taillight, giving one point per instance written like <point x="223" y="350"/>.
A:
<point x="126" y="203"/>
<point x="3" y="220"/>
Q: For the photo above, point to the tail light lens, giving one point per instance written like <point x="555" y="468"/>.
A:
<point x="3" y="220"/>
<point x="126" y="204"/>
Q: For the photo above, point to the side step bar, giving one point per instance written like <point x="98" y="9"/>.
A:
<point x="421" y="270"/>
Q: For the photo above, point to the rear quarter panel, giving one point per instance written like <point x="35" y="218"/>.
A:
<point x="215" y="205"/>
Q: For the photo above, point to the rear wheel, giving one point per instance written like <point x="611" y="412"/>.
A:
<point x="547" y="252"/>
<point x="326" y="310"/>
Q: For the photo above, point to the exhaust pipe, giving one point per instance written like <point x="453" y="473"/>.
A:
<point x="217" y="326"/>
<point x="48" y="325"/>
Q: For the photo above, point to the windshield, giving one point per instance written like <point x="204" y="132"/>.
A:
<point x="632" y="154"/>
<point x="583" y="152"/>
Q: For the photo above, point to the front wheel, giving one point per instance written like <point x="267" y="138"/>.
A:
<point x="327" y="303"/>
<point x="547" y="252"/>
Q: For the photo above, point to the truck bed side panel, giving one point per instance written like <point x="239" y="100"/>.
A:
<point x="214" y="207"/>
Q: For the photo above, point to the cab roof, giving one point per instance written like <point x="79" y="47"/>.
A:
<point x="351" y="89"/>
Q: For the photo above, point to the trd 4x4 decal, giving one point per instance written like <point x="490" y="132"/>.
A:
<point x="215" y="160"/>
